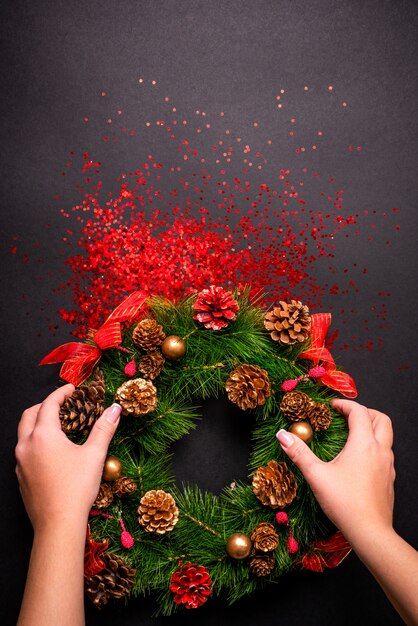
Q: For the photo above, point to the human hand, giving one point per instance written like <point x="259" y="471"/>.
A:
<point x="355" y="490"/>
<point x="59" y="479"/>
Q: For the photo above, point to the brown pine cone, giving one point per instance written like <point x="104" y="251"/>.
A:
<point x="105" y="496"/>
<point x="158" y="512"/>
<point x="124" y="486"/>
<point x="151" y="365"/>
<point x="115" y="581"/>
<point x="288" y="322"/>
<point x="248" y="386"/>
<point x="84" y="406"/>
<point x="319" y="416"/>
<point x="262" y="563"/>
<point x="137" y="397"/>
<point x="274" y="485"/>
<point x="148" y="335"/>
<point x="264" y="537"/>
<point x="295" y="405"/>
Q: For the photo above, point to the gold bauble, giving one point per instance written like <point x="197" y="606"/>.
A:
<point x="238" y="546"/>
<point x="173" y="347"/>
<point x="303" y="430"/>
<point x="112" y="469"/>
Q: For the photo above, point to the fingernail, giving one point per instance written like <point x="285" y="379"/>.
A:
<point x="285" y="438"/>
<point x="113" y="413"/>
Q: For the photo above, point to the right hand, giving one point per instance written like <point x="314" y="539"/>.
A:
<point x="355" y="490"/>
<point x="58" y="479"/>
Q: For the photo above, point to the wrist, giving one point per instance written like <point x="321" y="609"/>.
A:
<point x="65" y="524"/>
<point x="367" y="538"/>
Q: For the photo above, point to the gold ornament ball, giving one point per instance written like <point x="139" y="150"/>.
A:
<point x="303" y="430"/>
<point x="173" y="347"/>
<point x="238" y="546"/>
<point x="112" y="469"/>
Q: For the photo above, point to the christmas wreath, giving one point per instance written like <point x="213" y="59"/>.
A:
<point x="158" y="359"/>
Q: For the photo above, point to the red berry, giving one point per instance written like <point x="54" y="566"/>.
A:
<point x="130" y="368"/>
<point x="289" y="385"/>
<point x="292" y="544"/>
<point x="282" y="518"/>
<point x="317" y="372"/>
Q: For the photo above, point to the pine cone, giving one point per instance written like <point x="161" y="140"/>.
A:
<point x="124" y="486"/>
<point x="151" y="365"/>
<point x="84" y="406"/>
<point x="105" y="496"/>
<point x="215" y="307"/>
<point x="191" y="585"/>
<point x="274" y="485"/>
<point x="158" y="512"/>
<point x="320" y="416"/>
<point x="248" y="386"/>
<point x="148" y="335"/>
<point x="136" y="396"/>
<point x="262" y="563"/>
<point x="295" y="405"/>
<point x="288" y="322"/>
<point x="115" y="581"/>
<point x="264" y="537"/>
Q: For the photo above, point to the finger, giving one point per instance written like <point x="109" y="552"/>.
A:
<point x="50" y="408"/>
<point x="298" y="452"/>
<point x="382" y="426"/>
<point x="103" y="430"/>
<point x="359" y="420"/>
<point x="27" y="422"/>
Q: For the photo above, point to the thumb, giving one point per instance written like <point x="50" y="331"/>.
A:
<point x="298" y="452"/>
<point x="103" y="430"/>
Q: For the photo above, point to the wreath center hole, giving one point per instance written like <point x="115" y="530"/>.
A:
<point x="216" y="452"/>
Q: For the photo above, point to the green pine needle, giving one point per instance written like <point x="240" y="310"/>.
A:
<point x="143" y="445"/>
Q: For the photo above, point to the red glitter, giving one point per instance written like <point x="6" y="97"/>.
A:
<point x="217" y="212"/>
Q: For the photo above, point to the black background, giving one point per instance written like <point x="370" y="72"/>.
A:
<point x="57" y="58"/>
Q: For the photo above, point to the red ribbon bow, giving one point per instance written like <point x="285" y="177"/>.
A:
<point x="93" y="564"/>
<point x="333" y="378"/>
<point x="80" y="358"/>
<point x="327" y="553"/>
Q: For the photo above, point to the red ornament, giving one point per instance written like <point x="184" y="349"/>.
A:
<point x="93" y="564"/>
<point x="130" y="368"/>
<point x="292" y="544"/>
<point x="215" y="307"/>
<point x="282" y="518"/>
<point x="191" y="585"/>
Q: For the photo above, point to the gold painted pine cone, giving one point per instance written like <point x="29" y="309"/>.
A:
<point x="262" y="563"/>
<point x="158" y="512"/>
<point x="115" y="581"/>
<point x="148" y="335"/>
<point x="80" y="411"/>
<point x="124" y="486"/>
<point x="274" y="485"/>
<point x="264" y="537"/>
<point x="248" y="386"/>
<point x="104" y="497"/>
<point x="288" y="322"/>
<point x="296" y="405"/>
<point x="151" y="365"/>
<point x="319" y="416"/>
<point x="137" y="397"/>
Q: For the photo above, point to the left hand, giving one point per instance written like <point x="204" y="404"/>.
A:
<point x="59" y="479"/>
